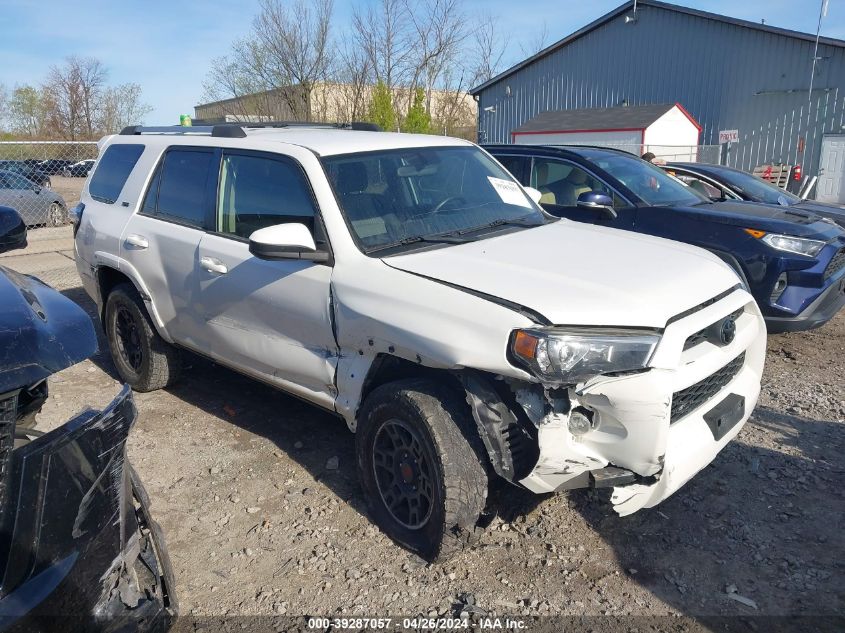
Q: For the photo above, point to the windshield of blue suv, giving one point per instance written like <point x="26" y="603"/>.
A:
<point x="648" y="182"/>
<point x="757" y="189"/>
<point x="393" y="198"/>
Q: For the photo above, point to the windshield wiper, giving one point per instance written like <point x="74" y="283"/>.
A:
<point x="501" y="222"/>
<point x="415" y="239"/>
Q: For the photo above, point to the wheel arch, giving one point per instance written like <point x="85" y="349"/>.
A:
<point x="109" y="276"/>
<point x="510" y="439"/>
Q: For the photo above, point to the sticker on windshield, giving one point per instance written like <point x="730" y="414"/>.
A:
<point x="509" y="192"/>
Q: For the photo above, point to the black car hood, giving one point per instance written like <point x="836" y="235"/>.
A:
<point x="766" y="217"/>
<point x="837" y="214"/>
<point x="78" y="548"/>
<point x="41" y="331"/>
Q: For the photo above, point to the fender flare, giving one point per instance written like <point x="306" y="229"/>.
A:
<point x="107" y="260"/>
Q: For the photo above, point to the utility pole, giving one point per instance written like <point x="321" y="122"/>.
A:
<point x="822" y="13"/>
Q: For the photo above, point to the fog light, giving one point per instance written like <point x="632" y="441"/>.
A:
<point x="780" y="286"/>
<point x="580" y="422"/>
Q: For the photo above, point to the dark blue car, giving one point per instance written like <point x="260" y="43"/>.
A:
<point x="719" y="182"/>
<point x="793" y="261"/>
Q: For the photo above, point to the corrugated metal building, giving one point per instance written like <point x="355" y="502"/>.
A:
<point x="728" y="73"/>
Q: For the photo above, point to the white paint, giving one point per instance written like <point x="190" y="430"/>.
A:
<point x="290" y="235"/>
<point x="831" y="182"/>
<point x="586" y="281"/>
<point x="672" y="137"/>
<point x="315" y="330"/>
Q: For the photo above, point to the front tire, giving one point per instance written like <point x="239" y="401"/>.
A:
<point x="144" y="360"/>
<point x="421" y="465"/>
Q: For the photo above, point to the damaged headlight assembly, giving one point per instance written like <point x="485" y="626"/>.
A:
<point x="567" y="356"/>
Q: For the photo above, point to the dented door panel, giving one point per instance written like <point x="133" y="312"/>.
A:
<point x="270" y="319"/>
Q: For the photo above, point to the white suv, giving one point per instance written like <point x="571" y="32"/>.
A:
<point x="411" y="285"/>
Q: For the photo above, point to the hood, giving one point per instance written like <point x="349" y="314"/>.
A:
<point x="831" y="211"/>
<point x="41" y="331"/>
<point x="771" y="218"/>
<point x="579" y="274"/>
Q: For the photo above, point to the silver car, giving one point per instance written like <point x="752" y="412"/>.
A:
<point x="36" y="204"/>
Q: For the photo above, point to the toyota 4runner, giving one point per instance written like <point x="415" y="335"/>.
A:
<point x="411" y="285"/>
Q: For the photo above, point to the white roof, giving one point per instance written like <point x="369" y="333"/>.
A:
<point x="323" y="141"/>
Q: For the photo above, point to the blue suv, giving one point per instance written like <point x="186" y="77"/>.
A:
<point x="793" y="261"/>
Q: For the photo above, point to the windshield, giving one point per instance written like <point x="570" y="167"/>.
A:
<point x="757" y="189"/>
<point x="395" y="197"/>
<point x="648" y="182"/>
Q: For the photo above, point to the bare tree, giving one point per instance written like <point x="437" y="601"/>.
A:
<point x="285" y="56"/>
<point x="386" y="40"/>
<point x="537" y="42"/>
<point x="294" y="48"/>
<point x="74" y="93"/>
<point x="488" y="49"/>
<point x="121" y="106"/>
<point x="237" y="88"/>
<point x="438" y="27"/>
<point x="350" y="94"/>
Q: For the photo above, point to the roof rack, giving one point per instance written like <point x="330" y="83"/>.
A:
<point x="238" y="130"/>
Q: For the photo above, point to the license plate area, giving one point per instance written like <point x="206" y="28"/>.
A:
<point x="725" y="415"/>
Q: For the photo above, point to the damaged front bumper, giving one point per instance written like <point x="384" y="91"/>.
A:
<point x="78" y="548"/>
<point x="644" y="434"/>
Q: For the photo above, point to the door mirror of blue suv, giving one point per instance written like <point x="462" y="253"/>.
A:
<point x="597" y="201"/>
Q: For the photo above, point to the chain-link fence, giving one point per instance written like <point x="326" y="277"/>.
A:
<point x="43" y="179"/>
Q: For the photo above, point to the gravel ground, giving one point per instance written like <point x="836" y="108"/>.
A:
<point x="259" y="500"/>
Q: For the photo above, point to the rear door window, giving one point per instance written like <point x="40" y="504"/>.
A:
<point x="111" y="174"/>
<point x="179" y="190"/>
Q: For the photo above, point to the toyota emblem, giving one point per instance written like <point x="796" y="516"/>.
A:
<point x="727" y="331"/>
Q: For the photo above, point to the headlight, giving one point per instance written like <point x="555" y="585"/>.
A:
<point x="570" y="356"/>
<point x="790" y="244"/>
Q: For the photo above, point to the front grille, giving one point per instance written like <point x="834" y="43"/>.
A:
<point x="8" y="415"/>
<point x="686" y="400"/>
<point x="835" y="264"/>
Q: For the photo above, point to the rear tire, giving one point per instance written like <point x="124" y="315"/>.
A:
<point x="144" y="360"/>
<point x="421" y="465"/>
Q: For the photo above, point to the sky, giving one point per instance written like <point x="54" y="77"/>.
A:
<point x="168" y="46"/>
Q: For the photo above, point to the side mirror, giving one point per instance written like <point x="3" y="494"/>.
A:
<point x="597" y="202"/>
<point x="285" y="241"/>
<point x="12" y="230"/>
<point x="534" y="194"/>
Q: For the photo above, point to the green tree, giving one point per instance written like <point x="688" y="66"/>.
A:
<point x="26" y="110"/>
<point x="418" y="120"/>
<point x="381" y="107"/>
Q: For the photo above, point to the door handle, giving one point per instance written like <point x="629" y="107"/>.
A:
<point x="213" y="265"/>
<point x="138" y="241"/>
